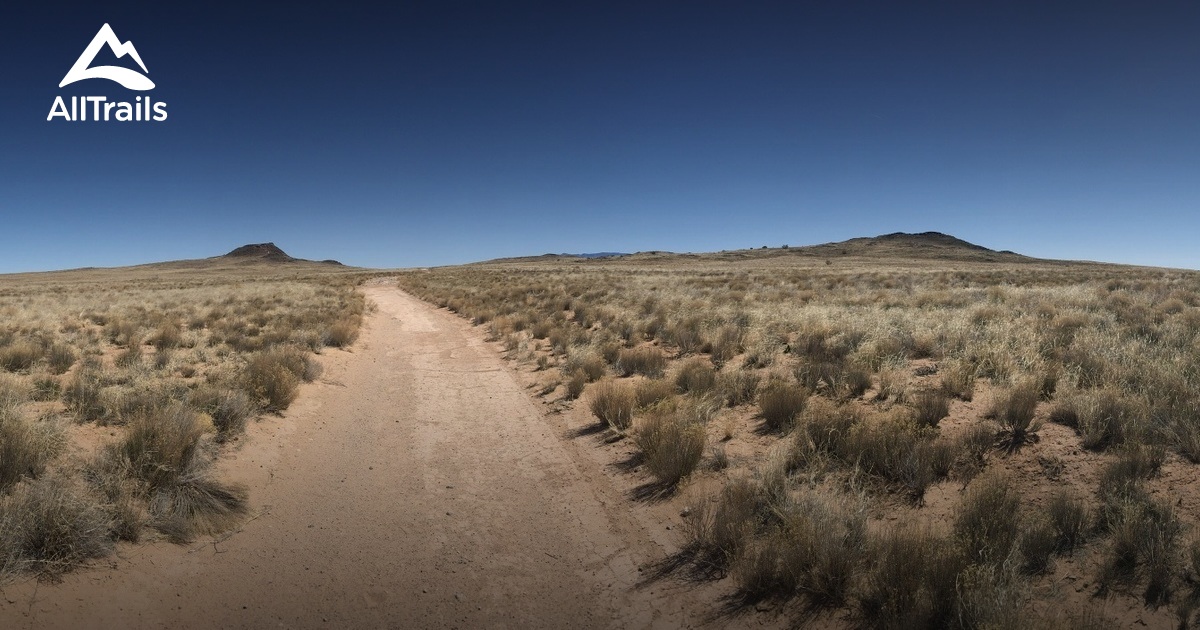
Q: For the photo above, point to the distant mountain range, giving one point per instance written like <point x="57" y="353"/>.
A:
<point x="924" y="245"/>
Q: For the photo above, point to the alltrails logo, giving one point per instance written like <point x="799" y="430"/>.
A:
<point x="99" y="107"/>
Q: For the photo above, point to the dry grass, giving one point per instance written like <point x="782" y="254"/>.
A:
<point x="855" y="363"/>
<point x="47" y="527"/>
<point x="930" y="407"/>
<point x="176" y="360"/>
<point x="781" y="402"/>
<point x="1014" y="410"/>
<point x="613" y="403"/>
<point x="646" y="361"/>
<point x="988" y="523"/>
<point x="652" y="391"/>
<point x="672" y="443"/>
<point x="696" y="376"/>
<point x="271" y="377"/>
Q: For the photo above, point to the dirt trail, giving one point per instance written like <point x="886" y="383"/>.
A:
<point x="417" y="485"/>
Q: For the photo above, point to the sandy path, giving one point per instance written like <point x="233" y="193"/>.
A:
<point x="416" y="486"/>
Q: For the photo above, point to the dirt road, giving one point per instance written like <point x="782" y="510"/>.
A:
<point x="416" y="485"/>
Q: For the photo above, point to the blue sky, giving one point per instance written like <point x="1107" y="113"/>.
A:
<point x="445" y="132"/>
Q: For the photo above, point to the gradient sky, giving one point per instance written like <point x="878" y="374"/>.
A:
<point x="445" y="132"/>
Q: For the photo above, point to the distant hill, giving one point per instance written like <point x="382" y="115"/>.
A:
<point x="923" y="246"/>
<point x="562" y="257"/>
<point x="599" y="255"/>
<point x="251" y="259"/>
<point x="269" y="252"/>
<point x="260" y="251"/>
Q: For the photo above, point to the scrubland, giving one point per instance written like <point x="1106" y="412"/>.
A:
<point x="120" y="389"/>
<point x="885" y="441"/>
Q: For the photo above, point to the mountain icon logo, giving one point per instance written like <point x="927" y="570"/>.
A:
<point x="130" y="79"/>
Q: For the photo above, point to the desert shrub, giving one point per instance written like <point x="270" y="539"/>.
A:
<point x="894" y="450"/>
<point x="987" y="523"/>
<point x="820" y="376"/>
<point x="726" y="345"/>
<point x="911" y="580"/>
<point x="1014" y="410"/>
<point x="168" y="335"/>
<point x="696" y="376"/>
<point x="990" y="596"/>
<point x="46" y="389"/>
<point x="575" y="385"/>
<point x="160" y="444"/>
<point x="821" y="544"/>
<point x="942" y="455"/>
<point x="1144" y="544"/>
<point x="197" y="504"/>
<point x="717" y="530"/>
<point x="929" y="407"/>
<point x="162" y="450"/>
<point x="1134" y="463"/>
<point x="312" y="370"/>
<point x="560" y="340"/>
<point x="82" y="395"/>
<point x="780" y="401"/>
<point x="685" y="335"/>
<point x="647" y="361"/>
<point x="343" y="332"/>
<point x="718" y="458"/>
<point x="1069" y="517"/>
<point x="587" y="362"/>
<point x="113" y="480"/>
<point x="60" y="358"/>
<point x="891" y="385"/>
<point x="162" y="358"/>
<point x="651" y="391"/>
<point x="757" y="570"/>
<point x="271" y="377"/>
<point x="672" y="443"/>
<point x="737" y="386"/>
<point x="958" y="381"/>
<point x="228" y="408"/>
<point x="120" y="403"/>
<point x="541" y="328"/>
<point x="1038" y="541"/>
<point x="973" y="445"/>
<point x="122" y="332"/>
<point x="47" y="527"/>
<point x="854" y="383"/>
<point x="609" y="351"/>
<point x="129" y="357"/>
<point x="20" y="355"/>
<point x="824" y="427"/>
<point x="25" y="447"/>
<point x="613" y="403"/>
<point x="1182" y="429"/>
<point x="762" y="354"/>
<point x="1103" y="418"/>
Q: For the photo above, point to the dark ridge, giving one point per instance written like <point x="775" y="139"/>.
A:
<point x="260" y="251"/>
<point x="925" y="239"/>
<point x="897" y="245"/>
<point x="331" y="261"/>
<point x="601" y="255"/>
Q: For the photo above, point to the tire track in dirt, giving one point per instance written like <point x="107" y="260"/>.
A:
<point x="417" y="485"/>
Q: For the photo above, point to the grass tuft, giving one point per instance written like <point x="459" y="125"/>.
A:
<point x="613" y="403"/>
<point x="672" y="443"/>
<point x="781" y="402"/>
<point x="47" y="527"/>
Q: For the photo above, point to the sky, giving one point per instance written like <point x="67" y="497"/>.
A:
<point x="428" y="133"/>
